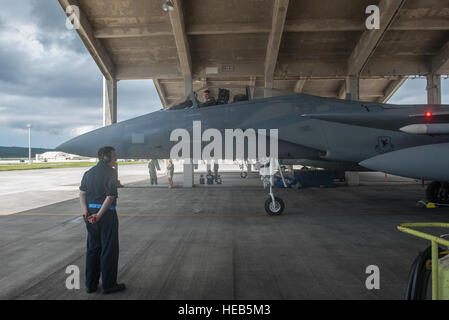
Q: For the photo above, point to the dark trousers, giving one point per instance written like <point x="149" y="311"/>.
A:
<point x="102" y="251"/>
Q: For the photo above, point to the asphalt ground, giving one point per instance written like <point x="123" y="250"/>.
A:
<point x="217" y="242"/>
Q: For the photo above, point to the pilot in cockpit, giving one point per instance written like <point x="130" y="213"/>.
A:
<point x="208" y="99"/>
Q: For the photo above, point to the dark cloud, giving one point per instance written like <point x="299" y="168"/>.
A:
<point x="48" y="78"/>
<point x="39" y="125"/>
<point x="137" y="97"/>
<point x="48" y="15"/>
<point x="51" y="69"/>
<point x="51" y="22"/>
<point x="10" y="65"/>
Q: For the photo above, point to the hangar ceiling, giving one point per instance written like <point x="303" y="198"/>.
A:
<point x="309" y="46"/>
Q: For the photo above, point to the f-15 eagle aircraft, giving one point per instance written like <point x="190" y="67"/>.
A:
<point x="405" y="140"/>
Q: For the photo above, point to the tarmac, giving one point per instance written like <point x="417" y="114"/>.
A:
<point x="213" y="242"/>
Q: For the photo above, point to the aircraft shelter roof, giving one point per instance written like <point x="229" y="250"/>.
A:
<point x="307" y="46"/>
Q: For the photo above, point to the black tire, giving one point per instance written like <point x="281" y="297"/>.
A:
<point x="277" y="211"/>
<point x="432" y="191"/>
<point x="243" y="174"/>
<point x="420" y="278"/>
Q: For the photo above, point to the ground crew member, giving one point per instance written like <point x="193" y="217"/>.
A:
<point x="152" y="166"/>
<point x="98" y="198"/>
<point x="170" y="172"/>
<point x="210" y="177"/>
<point x="215" y="170"/>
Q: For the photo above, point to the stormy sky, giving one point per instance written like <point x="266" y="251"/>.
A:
<point x="48" y="79"/>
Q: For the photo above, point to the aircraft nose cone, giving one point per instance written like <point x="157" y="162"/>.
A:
<point x="64" y="147"/>
<point x="79" y="146"/>
<point x="87" y="145"/>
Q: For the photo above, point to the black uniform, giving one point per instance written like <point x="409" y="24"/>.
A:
<point x="102" y="237"/>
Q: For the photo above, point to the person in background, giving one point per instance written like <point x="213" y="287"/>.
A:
<point x="170" y="172"/>
<point x="152" y="167"/>
<point x="215" y="170"/>
<point x="210" y="177"/>
<point x="208" y="100"/>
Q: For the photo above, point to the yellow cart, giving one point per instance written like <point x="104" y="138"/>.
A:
<point x="439" y="266"/>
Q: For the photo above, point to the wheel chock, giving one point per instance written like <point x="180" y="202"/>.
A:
<point x="430" y="205"/>
<point x="426" y="204"/>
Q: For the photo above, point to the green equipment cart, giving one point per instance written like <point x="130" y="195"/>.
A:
<point x="439" y="262"/>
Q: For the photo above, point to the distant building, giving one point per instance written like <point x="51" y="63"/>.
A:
<point x="57" y="156"/>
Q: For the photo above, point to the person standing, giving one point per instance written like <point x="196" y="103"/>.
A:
<point x="215" y="170"/>
<point x="210" y="177"/>
<point x="170" y="172"/>
<point x="152" y="166"/>
<point x="98" y="200"/>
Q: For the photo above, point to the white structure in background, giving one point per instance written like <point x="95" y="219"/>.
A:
<point x="57" y="156"/>
<point x="29" y="143"/>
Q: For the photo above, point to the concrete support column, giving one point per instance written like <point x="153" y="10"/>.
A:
<point x="188" y="86"/>
<point x="188" y="168"/>
<point x="110" y="108"/>
<point x="109" y="102"/>
<point x="352" y="88"/>
<point x="433" y="89"/>
<point x="188" y="174"/>
<point x="352" y="93"/>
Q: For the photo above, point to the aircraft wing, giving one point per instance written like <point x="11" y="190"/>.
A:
<point x="431" y="120"/>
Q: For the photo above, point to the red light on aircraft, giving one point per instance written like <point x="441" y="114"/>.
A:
<point x="428" y="114"/>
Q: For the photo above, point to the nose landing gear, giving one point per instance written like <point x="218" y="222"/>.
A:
<point x="274" y="206"/>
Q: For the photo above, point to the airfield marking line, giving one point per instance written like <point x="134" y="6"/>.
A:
<point x="136" y="215"/>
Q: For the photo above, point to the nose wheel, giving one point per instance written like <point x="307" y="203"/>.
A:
<point x="243" y="173"/>
<point x="274" y="208"/>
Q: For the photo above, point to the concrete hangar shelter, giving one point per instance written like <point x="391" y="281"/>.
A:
<point x="318" y="47"/>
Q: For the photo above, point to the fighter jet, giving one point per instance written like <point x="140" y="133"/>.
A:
<point x="405" y="140"/>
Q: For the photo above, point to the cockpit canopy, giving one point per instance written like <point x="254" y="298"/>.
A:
<point x="219" y="95"/>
